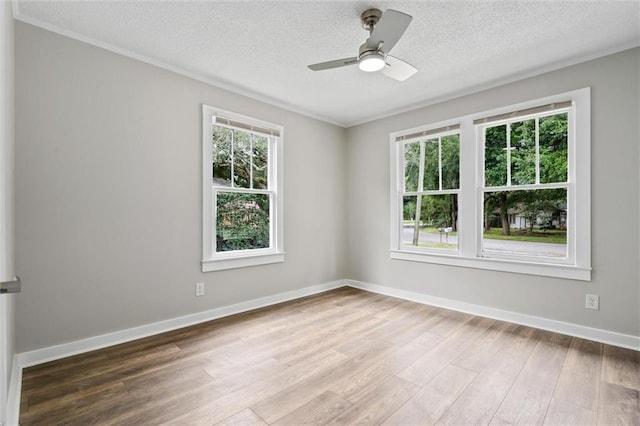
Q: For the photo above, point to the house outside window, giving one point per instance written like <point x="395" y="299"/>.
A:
<point x="242" y="191"/>
<point x="522" y="192"/>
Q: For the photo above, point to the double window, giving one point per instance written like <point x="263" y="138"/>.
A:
<point x="242" y="191"/>
<point x="507" y="189"/>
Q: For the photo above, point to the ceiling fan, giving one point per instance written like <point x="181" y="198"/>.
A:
<point x="385" y="29"/>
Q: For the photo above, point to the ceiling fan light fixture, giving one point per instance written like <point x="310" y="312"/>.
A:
<point x="372" y="62"/>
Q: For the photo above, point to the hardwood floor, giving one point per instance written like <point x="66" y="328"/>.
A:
<point x="341" y="357"/>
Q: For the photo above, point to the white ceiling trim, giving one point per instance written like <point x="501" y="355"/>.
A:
<point x="338" y="121"/>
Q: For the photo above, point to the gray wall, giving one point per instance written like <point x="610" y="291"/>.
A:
<point x="109" y="194"/>
<point x="108" y="197"/>
<point x="615" y="190"/>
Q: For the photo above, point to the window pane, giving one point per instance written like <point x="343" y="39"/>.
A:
<point x="221" y="150"/>
<point x="553" y="148"/>
<point x="431" y="180"/>
<point x="260" y="162"/>
<point x="523" y="152"/>
<point x="411" y="226"/>
<point x="437" y="227"/>
<point x="241" y="159"/>
<point x="411" y="166"/>
<point x="409" y="210"/>
<point x="495" y="156"/>
<point x="242" y="221"/>
<point x="451" y="162"/>
<point x="532" y="223"/>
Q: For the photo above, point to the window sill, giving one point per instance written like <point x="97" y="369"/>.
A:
<point x="244" y="261"/>
<point x="515" y="266"/>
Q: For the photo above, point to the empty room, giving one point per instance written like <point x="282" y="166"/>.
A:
<point x="320" y="212"/>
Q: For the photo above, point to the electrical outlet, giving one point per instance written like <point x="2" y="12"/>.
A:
<point x="592" y="302"/>
<point x="199" y="289"/>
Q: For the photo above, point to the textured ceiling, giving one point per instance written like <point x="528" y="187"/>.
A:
<point x="262" y="48"/>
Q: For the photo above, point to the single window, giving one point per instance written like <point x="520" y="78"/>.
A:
<point x="430" y="198"/>
<point x="507" y="189"/>
<point x="525" y="179"/>
<point x="242" y="191"/>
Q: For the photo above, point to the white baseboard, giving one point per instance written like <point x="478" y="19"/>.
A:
<point x="604" y="336"/>
<point x="39" y="356"/>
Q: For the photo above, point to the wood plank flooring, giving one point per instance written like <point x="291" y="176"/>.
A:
<point x="342" y="357"/>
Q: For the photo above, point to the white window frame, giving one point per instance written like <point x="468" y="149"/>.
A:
<point x="216" y="261"/>
<point x="569" y="185"/>
<point x="470" y="198"/>
<point x="446" y="130"/>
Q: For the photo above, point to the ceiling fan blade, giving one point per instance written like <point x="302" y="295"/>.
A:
<point x="398" y="69"/>
<point x="389" y="29"/>
<point x="333" y="64"/>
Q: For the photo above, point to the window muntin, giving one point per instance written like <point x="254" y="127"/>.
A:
<point x="561" y="194"/>
<point x="431" y="168"/>
<point x="525" y="178"/>
<point x="242" y="191"/>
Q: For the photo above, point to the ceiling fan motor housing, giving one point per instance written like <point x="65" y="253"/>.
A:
<point x="366" y="50"/>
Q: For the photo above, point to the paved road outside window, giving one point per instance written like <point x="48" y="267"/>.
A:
<point x="529" y="248"/>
